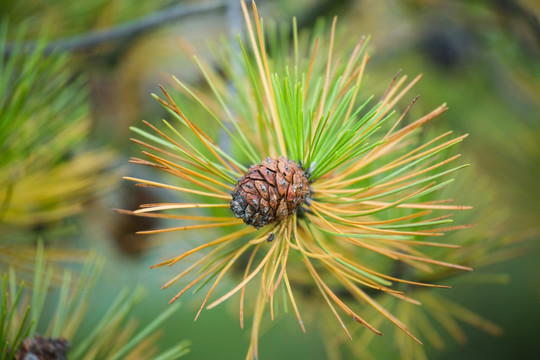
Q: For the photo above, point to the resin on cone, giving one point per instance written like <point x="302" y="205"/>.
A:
<point x="269" y="192"/>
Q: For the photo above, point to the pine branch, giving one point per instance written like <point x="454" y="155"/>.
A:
<point x="121" y="32"/>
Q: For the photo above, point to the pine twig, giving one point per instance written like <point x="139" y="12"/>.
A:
<point x="122" y="31"/>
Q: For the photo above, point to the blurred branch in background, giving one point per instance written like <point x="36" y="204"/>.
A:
<point x="123" y="32"/>
<point x="129" y="31"/>
<point x="522" y="13"/>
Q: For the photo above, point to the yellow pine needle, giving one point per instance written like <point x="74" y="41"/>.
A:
<point x="257" y="317"/>
<point x="243" y="291"/>
<point x="308" y="76"/>
<point x="337" y="180"/>
<point x="471" y="317"/>
<point x="389" y="221"/>
<point x="418" y="123"/>
<point x="264" y="72"/>
<point x="438" y="218"/>
<point x="390" y="101"/>
<point x="401" y="118"/>
<point x="392" y="140"/>
<point x="196" y="280"/>
<point x="358" y="201"/>
<point x="410" y="154"/>
<point x="170" y="170"/>
<point x="354" y="76"/>
<point x="177" y="217"/>
<point x="271" y="296"/>
<point x="231" y="262"/>
<point x="266" y="280"/>
<point x="393" y="278"/>
<point x="272" y="97"/>
<point x="293" y="302"/>
<point x="421" y="206"/>
<point x="191" y="227"/>
<point x="387" y="100"/>
<point x="390" y="86"/>
<point x="172" y="105"/>
<point x="199" y="262"/>
<point x="420" y="172"/>
<point x="282" y="256"/>
<point x="397" y="255"/>
<point x="283" y="261"/>
<point x="177" y="188"/>
<point x="359" y="225"/>
<point x="409" y="157"/>
<point x="390" y="241"/>
<point x="348" y="273"/>
<point x="454" y="228"/>
<point x="406" y="249"/>
<point x="336" y="266"/>
<point x="303" y="251"/>
<point x="350" y="64"/>
<point x="354" y="241"/>
<point x="203" y="137"/>
<point x="406" y="299"/>
<point x="428" y="331"/>
<point x="331" y="262"/>
<point x="394" y="100"/>
<point x="172" y="206"/>
<point x="332" y="307"/>
<point x="183" y="172"/>
<point x="176" y="144"/>
<point x="308" y="254"/>
<point x="174" y="156"/>
<point x="230" y="237"/>
<point x="418" y="243"/>
<point x="247" y="279"/>
<point x="442" y="314"/>
<point x="338" y="301"/>
<point x="358" y="81"/>
<point x="356" y="290"/>
<point x="435" y="262"/>
<point x="421" y="267"/>
<point x="319" y="113"/>
<point x="134" y="160"/>
<point x="200" y="95"/>
<point x="405" y="253"/>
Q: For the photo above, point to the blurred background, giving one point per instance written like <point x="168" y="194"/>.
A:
<point x="481" y="57"/>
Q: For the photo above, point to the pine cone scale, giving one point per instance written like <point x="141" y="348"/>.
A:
<point x="285" y="170"/>
<point x="250" y="188"/>
<point x="281" y="184"/>
<point x="269" y="175"/>
<point x="273" y="198"/>
<point x="256" y="175"/>
<point x="262" y="187"/>
<point x="271" y="164"/>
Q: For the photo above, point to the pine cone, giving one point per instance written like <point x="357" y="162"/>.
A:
<point x="42" y="348"/>
<point x="269" y="192"/>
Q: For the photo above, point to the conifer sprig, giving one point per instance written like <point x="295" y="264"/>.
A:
<point x="23" y="317"/>
<point x="46" y="168"/>
<point x="371" y="180"/>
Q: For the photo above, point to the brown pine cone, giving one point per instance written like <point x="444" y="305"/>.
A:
<point x="269" y="192"/>
<point x="42" y="348"/>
